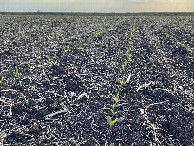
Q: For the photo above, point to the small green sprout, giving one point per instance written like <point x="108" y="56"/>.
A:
<point x="126" y="62"/>
<point x="109" y="109"/>
<point x="114" y="105"/>
<point x="98" y="33"/>
<point x="16" y="72"/>
<point x="66" y="48"/>
<point x="121" y="81"/>
<point x="123" y="67"/>
<point x="55" y="56"/>
<point x="1" y="82"/>
<point x="29" y="65"/>
<point x="24" y="70"/>
<point x="39" y="62"/>
<point x="128" y="55"/>
<point x="50" y="58"/>
<point x="118" y="86"/>
<point x="88" y="38"/>
<point x="11" y="47"/>
<point x="115" y="97"/>
<point x="110" y="122"/>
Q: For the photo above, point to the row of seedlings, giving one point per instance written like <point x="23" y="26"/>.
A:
<point x="49" y="58"/>
<point x="128" y="58"/>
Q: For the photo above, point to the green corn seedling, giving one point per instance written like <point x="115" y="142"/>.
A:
<point x="115" y="97"/>
<point x="54" y="56"/>
<point x="16" y="72"/>
<point x="39" y="62"/>
<point x="121" y="81"/>
<point x="109" y="109"/>
<point x="118" y="86"/>
<point x="1" y="82"/>
<point x="128" y="55"/>
<point x="114" y="105"/>
<point x="98" y="33"/>
<point x="126" y="62"/>
<point x="66" y="48"/>
<point x="29" y="65"/>
<point x="11" y="47"/>
<point x="110" y="122"/>
<point x="50" y="58"/>
<point x="123" y="67"/>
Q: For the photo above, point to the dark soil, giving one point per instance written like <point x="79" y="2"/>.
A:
<point x="60" y="91"/>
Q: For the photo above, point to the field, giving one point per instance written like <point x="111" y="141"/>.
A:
<point x="96" y="80"/>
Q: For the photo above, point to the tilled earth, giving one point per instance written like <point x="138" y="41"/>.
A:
<point x="63" y="84"/>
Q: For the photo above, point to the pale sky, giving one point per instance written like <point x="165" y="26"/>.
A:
<point x="97" y="5"/>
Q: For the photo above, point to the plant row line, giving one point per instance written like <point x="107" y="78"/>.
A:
<point x="115" y="98"/>
<point x="50" y="58"/>
<point x="121" y="81"/>
<point x="11" y="46"/>
<point x="98" y="33"/>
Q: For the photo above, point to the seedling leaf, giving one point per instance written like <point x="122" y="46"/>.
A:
<point x="123" y="67"/>
<point x="39" y="62"/>
<point x="29" y="65"/>
<point x="117" y="94"/>
<point x="16" y="72"/>
<point x="126" y="63"/>
<point x="110" y="122"/>
<point x="112" y="95"/>
<point x="1" y="82"/>
<point x="108" y="109"/>
<point x="117" y="86"/>
<point x="121" y="81"/>
<point x="113" y="106"/>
